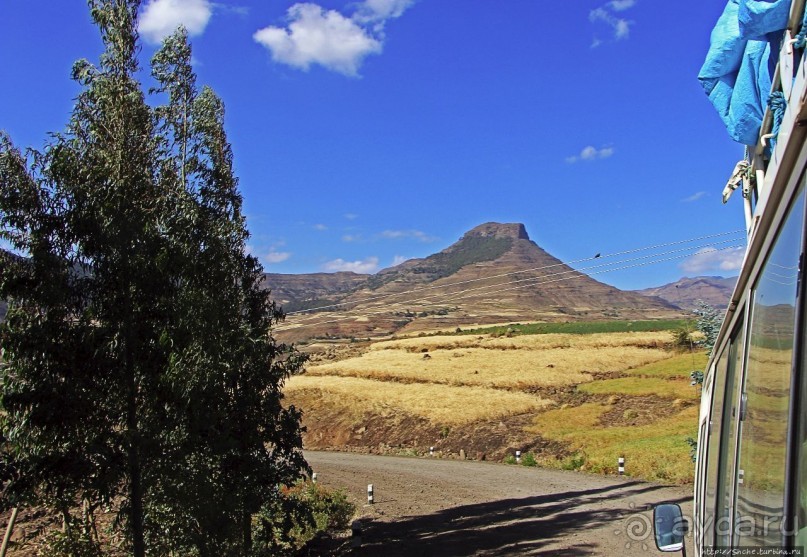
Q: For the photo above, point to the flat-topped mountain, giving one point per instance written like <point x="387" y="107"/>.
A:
<point x="493" y="274"/>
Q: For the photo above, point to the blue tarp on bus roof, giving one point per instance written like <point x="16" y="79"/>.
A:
<point x="739" y="67"/>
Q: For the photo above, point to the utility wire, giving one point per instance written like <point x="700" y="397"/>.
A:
<point x="562" y="279"/>
<point x="448" y="296"/>
<point x="420" y="289"/>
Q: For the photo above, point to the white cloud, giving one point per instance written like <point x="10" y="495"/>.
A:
<point x="398" y="259"/>
<point x="416" y="234"/>
<point x="712" y="259"/>
<point x="375" y="10"/>
<point x="160" y="18"/>
<point x="320" y="227"/>
<point x="604" y="14"/>
<point x="317" y="36"/>
<point x="329" y="38"/>
<point x="621" y="5"/>
<point x="275" y="257"/>
<point x="694" y="197"/>
<point x="352" y="238"/>
<point x="365" y="266"/>
<point x="590" y="153"/>
<point x="351" y="216"/>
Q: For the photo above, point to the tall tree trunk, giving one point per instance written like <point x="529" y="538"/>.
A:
<point x="133" y="438"/>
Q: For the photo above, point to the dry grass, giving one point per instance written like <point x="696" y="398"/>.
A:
<point x="656" y="451"/>
<point x="439" y="404"/>
<point x="660" y="339"/>
<point x="644" y="386"/>
<point x="479" y="366"/>
<point x="680" y="365"/>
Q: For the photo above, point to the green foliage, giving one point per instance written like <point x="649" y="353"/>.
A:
<point x="582" y="327"/>
<point x="693" y="448"/>
<point x="139" y="363"/>
<point x="575" y="461"/>
<point x="297" y="515"/>
<point x="72" y="543"/>
<point x="708" y="323"/>
<point x="510" y="459"/>
<point x="528" y="459"/>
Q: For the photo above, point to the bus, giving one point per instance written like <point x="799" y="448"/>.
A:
<point x="750" y="492"/>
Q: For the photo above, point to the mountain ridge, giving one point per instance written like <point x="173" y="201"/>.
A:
<point x="494" y="273"/>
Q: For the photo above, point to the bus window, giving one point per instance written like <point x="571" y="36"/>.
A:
<point x="766" y="391"/>
<point x="712" y="455"/>
<point x="728" y="441"/>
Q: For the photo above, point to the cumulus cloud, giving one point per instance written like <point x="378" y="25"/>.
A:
<point x="275" y="257"/>
<point x="712" y="259"/>
<point x="381" y="10"/>
<point x="364" y="266"/>
<point x="351" y="216"/>
<point x="621" y="5"/>
<point x="351" y="238"/>
<point x="160" y="18"/>
<point x="607" y="14"/>
<point x="329" y="38"/>
<point x="320" y="227"/>
<point x="398" y="259"/>
<point x="590" y="153"/>
<point x="415" y="234"/>
<point x="694" y="197"/>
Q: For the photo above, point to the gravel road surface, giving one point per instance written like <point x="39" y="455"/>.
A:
<point x="426" y="507"/>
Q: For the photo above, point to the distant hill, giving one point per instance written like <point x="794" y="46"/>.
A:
<point x="306" y="291"/>
<point x="685" y="293"/>
<point x="493" y="274"/>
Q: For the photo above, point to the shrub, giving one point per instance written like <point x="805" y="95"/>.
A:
<point x="575" y="461"/>
<point x="509" y="459"/>
<point x="298" y="515"/>
<point x="528" y="459"/>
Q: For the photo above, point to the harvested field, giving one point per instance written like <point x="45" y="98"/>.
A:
<point x="575" y="401"/>
<point x="509" y="368"/>
<point x="438" y="403"/>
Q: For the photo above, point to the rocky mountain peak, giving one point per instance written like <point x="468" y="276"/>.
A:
<point x="512" y="230"/>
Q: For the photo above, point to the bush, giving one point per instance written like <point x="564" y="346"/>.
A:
<point x="528" y="459"/>
<point x="509" y="459"/>
<point x="575" y="461"/>
<point x="298" y="515"/>
<point x="72" y="543"/>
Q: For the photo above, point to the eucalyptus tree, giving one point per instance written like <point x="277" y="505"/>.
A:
<point x="139" y="364"/>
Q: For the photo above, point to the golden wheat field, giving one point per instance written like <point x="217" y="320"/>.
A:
<point x="520" y="362"/>
<point x="602" y="394"/>
<point x="439" y="404"/>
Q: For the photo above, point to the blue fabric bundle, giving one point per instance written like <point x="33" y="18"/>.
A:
<point x="742" y="58"/>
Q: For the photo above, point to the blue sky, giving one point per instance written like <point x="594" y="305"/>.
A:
<point x="373" y="131"/>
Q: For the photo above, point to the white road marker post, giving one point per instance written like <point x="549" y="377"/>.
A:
<point x="314" y="477"/>
<point x="518" y="457"/>
<point x="431" y="451"/>
<point x="621" y="463"/>
<point x="370" y="499"/>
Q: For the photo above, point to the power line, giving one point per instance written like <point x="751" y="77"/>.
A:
<point x="452" y="295"/>
<point x="578" y="276"/>
<point x="598" y="256"/>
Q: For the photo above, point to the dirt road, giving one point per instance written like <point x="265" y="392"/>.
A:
<point x="426" y="507"/>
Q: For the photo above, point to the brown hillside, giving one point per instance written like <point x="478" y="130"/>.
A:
<point x="493" y="274"/>
<point x="685" y="293"/>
